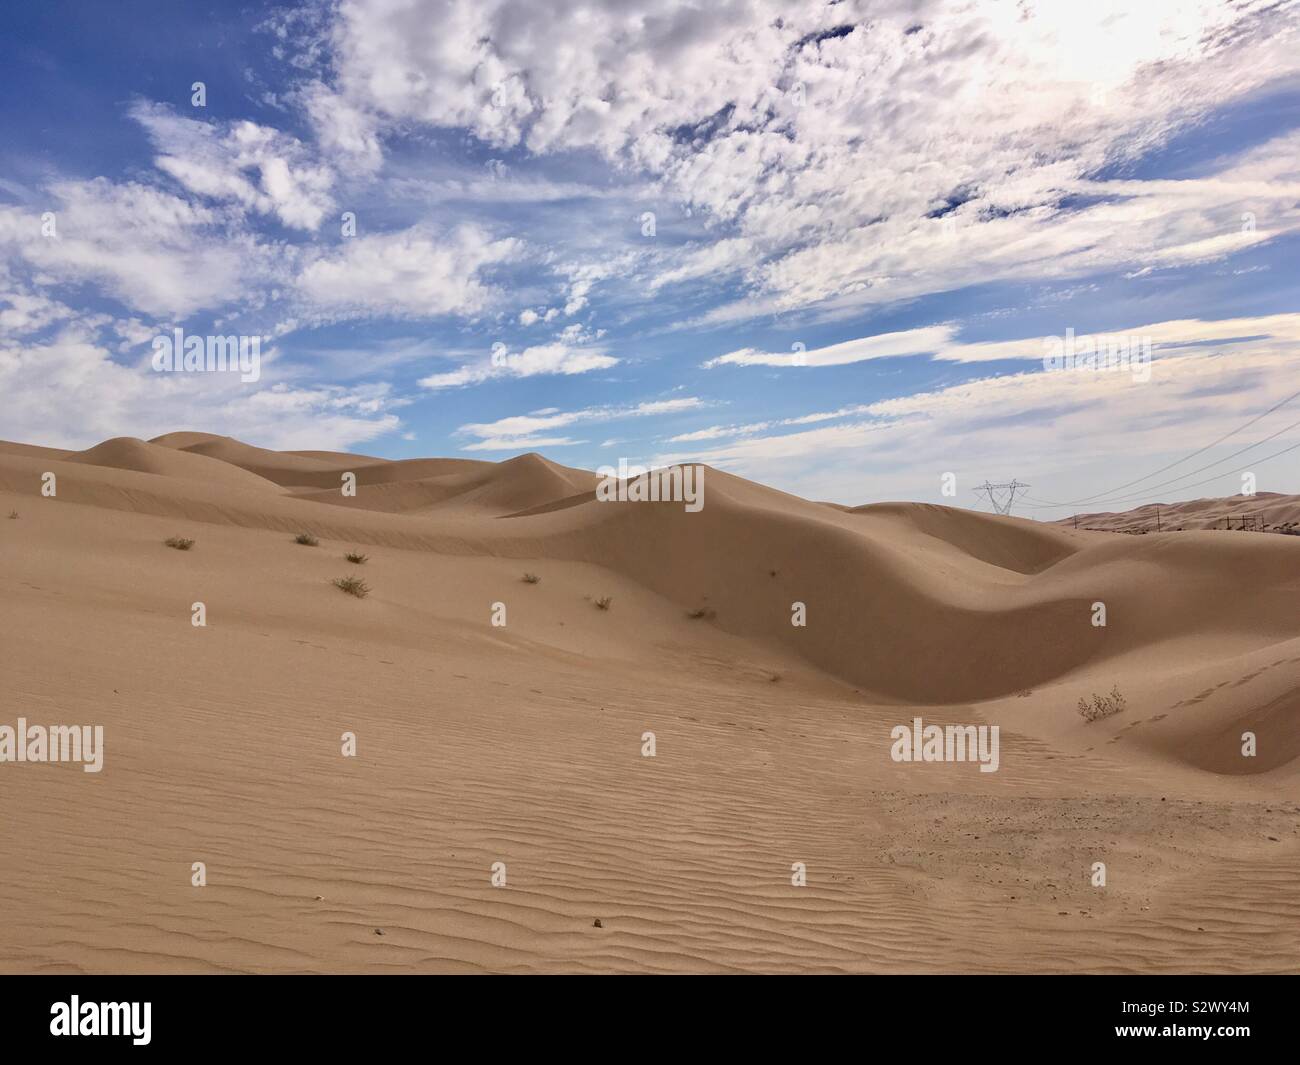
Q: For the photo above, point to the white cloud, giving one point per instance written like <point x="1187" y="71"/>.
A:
<point x="554" y="358"/>
<point x="523" y="432"/>
<point x="823" y="143"/>
<point x="881" y="346"/>
<point x="256" y="166"/>
<point x="408" y="274"/>
<point x="715" y="261"/>
<point x="722" y="432"/>
<point x="133" y="333"/>
<point x="1162" y="335"/>
<point x="23" y="313"/>
<point x="157" y="253"/>
<point x="940" y="342"/>
<point x="345" y="132"/>
<point x="1068" y="433"/>
<point x="74" y="395"/>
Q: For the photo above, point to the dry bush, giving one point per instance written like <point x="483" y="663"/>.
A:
<point x="179" y="542"/>
<point x="1102" y="705"/>
<point x="306" y="539"/>
<point x="603" y="602"/>
<point x="357" y="558"/>
<point x="532" y="578"/>
<point x="353" y="585"/>
<point x="701" y="612"/>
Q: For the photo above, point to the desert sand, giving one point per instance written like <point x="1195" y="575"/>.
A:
<point x="1264" y="512"/>
<point x="523" y="744"/>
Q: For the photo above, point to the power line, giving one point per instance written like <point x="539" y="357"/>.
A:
<point x="1098" y="496"/>
<point x="1192" y="473"/>
<point x="1208" y="480"/>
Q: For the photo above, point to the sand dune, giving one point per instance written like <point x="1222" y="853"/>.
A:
<point x="522" y="743"/>
<point x="425" y="485"/>
<point x="409" y="485"/>
<point x="282" y="468"/>
<point x="128" y="453"/>
<point x="1016" y="545"/>
<point x="1270" y="509"/>
<point x="32" y="451"/>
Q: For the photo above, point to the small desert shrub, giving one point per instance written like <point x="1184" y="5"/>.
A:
<point x="179" y="542"/>
<point x="353" y="585"/>
<point x="1102" y="705"/>
<point x="306" y="539"/>
<point x="13" y="514"/>
<point x="603" y="602"/>
<point x="701" y="612"/>
<point x="357" y="558"/>
<point x="532" y="578"/>
<point x="774" y="677"/>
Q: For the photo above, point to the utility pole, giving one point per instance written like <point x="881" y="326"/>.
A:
<point x="1002" y="496"/>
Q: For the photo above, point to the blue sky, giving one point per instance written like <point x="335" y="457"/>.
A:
<point x="822" y="246"/>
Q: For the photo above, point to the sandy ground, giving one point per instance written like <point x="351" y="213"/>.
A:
<point x="522" y="744"/>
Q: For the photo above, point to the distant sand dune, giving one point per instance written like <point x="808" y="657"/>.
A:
<point x="1270" y="508"/>
<point x="128" y="453"/>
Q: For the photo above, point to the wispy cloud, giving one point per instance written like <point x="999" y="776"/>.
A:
<point x="525" y="431"/>
<point x="883" y="346"/>
<point x="1041" y="425"/>
<point x="556" y="358"/>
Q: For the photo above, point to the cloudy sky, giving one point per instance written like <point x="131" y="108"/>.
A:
<point x="820" y="245"/>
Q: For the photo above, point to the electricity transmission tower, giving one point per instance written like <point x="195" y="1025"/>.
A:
<point x="1001" y="495"/>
